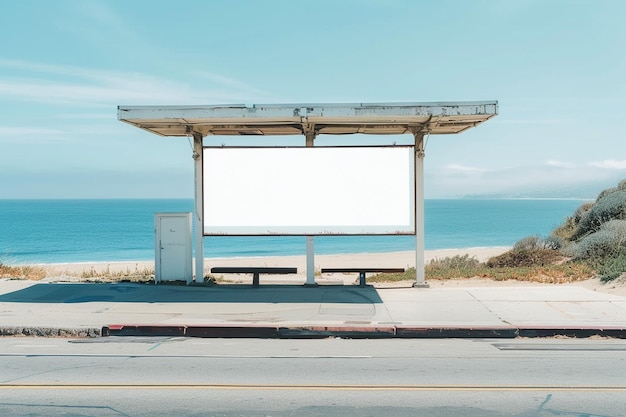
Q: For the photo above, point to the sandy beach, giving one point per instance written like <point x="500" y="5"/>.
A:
<point x="73" y="271"/>
<point x="382" y="260"/>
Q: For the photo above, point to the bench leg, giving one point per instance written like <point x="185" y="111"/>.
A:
<point x="361" y="279"/>
<point x="255" y="279"/>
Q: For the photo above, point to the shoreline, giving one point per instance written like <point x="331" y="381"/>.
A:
<point x="399" y="259"/>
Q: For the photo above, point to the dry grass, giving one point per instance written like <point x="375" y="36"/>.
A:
<point x="34" y="273"/>
<point x="456" y="267"/>
<point x="460" y="267"/>
<point x="547" y="274"/>
<point x="526" y="258"/>
<point x="144" y="275"/>
<point x="37" y="273"/>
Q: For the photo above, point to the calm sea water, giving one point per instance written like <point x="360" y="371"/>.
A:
<point x="52" y="231"/>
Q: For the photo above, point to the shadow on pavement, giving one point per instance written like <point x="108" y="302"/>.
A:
<point x="141" y="293"/>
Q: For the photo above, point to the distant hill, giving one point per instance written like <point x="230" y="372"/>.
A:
<point x="588" y="191"/>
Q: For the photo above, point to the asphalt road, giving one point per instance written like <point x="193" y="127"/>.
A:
<point x="255" y="377"/>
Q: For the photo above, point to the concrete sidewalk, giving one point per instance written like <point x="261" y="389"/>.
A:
<point x="90" y="310"/>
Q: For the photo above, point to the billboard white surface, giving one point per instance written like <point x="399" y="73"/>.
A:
<point x="308" y="190"/>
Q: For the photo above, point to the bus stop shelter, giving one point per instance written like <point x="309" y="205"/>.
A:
<point x="310" y="120"/>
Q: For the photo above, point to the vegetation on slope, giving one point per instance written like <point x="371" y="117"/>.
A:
<point x="591" y="242"/>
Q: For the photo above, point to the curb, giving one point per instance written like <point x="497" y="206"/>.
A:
<point x="411" y="332"/>
<point x="347" y="332"/>
<point x="358" y="332"/>
<point x="316" y="332"/>
<point x="577" y="332"/>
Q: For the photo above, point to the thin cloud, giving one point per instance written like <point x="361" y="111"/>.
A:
<point x="19" y="130"/>
<point x="63" y="84"/>
<point x="27" y="131"/>
<point x="30" y="135"/>
<point x="87" y="116"/>
<point x="609" y="164"/>
<point x="230" y="82"/>
<point x="559" y="164"/>
<point x="36" y="134"/>
<point x="458" y="180"/>
<point x="464" y="169"/>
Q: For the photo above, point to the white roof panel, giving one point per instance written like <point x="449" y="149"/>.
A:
<point x="299" y="119"/>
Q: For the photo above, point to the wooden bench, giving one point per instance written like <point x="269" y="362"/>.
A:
<point x="362" y="272"/>
<point x="254" y="270"/>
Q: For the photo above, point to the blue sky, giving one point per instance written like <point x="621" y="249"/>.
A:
<point x="556" y="67"/>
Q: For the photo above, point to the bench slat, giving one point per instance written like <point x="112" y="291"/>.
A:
<point x="254" y="270"/>
<point x="362" y="272"/>
<point x="346" y="270"/>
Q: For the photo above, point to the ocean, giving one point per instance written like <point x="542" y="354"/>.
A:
<point x="59" y="231"/>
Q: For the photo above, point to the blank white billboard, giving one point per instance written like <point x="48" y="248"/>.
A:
<point x="309" y="190"/>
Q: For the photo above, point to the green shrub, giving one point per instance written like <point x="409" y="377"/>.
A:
<point x="457" y="266"/>
<point x="525" y="258"/>
<point x="531" y="243"/>
<point x="565" y="231"/>
<point x="606" y="192"/>
<point x="454" y="262"/>
<point x="553" y="243"/>
<point x="528" y="243"/>
<point x="610" y="205"/>
<point x="581" y="211"/>
<point x="607" y="241"/>
<point x="611" y="266"/>
<point x="529" y="251"/>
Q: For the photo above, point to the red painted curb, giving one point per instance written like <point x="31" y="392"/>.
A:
<point x="352" y="332"/>
<point x="577" y="332"/>
<point x="256" y="332"/>
<point x="355" y="331"/>
<point x="142" y="330"/>
<point x="412" y="332"/>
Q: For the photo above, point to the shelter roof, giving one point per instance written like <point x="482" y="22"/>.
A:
<point x="302" y="119"/>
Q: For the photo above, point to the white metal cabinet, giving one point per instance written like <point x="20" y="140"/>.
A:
<point x="173" y="247"/>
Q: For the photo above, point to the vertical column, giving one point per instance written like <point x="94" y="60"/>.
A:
<point x="198" y="213"/>
<point x="310" y="240"/>
<point x="420" y="280"/>
<point x="310" y="137"/>
<point x="310" y="261"/>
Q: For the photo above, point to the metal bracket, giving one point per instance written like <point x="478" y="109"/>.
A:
<point x="309" y="133"/>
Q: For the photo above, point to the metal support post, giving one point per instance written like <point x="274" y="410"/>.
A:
<point x="310" y="240"/>
<point x="310" y="261"/>
<point x="310" y="137"/>
<point x="198" y="215"/>
<point x="420" y="280"/>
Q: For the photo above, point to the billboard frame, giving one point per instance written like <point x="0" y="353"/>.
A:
<point x="308" y="188"/>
